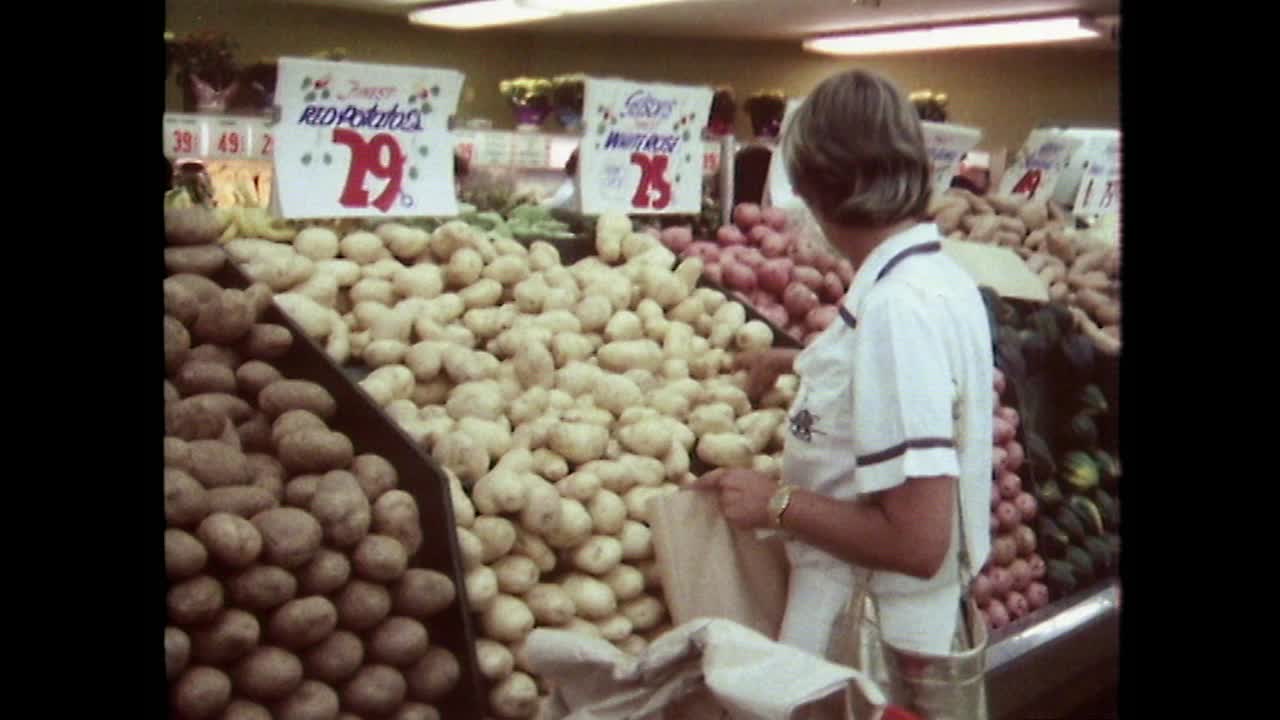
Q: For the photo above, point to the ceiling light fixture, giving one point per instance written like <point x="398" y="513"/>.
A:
<point x="469" y="14"/>
<point x="944" y="37"/>
<point x="589" y="6"/>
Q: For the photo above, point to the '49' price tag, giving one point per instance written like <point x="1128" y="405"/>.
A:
<point x="229" y="139"/>
<point x="360" y="140"/>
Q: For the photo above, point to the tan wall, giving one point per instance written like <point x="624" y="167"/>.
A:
<point x="1005" y="92"/>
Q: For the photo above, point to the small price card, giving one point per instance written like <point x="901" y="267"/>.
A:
<point x="261" y="139"/>
<point x="947" y="145"/>
<point x="362" y="140"/>
<point x="229" y="139"/>
<point x="530" y="150"/>
<point x="642" y="147"/>
<point x="1039" y="165"/>
<point x="710" y="157"/>
<point x="185" y="135"/>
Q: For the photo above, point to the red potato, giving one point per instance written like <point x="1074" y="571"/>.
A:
<point x="1027" y="506"/>
<point x="774" y="218"/>
<point x="776" y="245"/>
<point x="844" y="269"/>
<point x="774" y="275"/>
<point x="1017" y="604"/>
<point x="804" y="252"/>
<point x="739" y="276"/>
<point x="714" y="273"/>
<point x="999" y="460"/>
<point x="799" y="300"/>
<point x="761" y="298"/>
<point x="676" y="238"/>
<point x="751" y="257"/>
<point x="1025" y="538"/>
<point x="1017" y="455"/>
<point x="999" y="382"/>
<point x="807" y="276"/>
<point x="703" y="249"/>
<point x="757" y="234"/>
<point x="747" y="215"/>
<point x="820" y="317"/>
<point x="729" y="235"/>
<point x="1001" y="581"/>
<point x="1001" y="430"/>
<point x="1037" y="595"/>
<point x="995" y="497"/>
<point x="1007" y="515"/>
<point x="825" y="262"/>
<point x="1021" y="573"/>
<point x="981" y="590"/>
<point x="1004" y="550"/>
<point x="1010" y="485"/>
<point x="832" y="289"/>
<point x="997" y="614"/>
<point x="1009" y="415"/>
<point x="1036" y="563"/>
<point x="775" y="314"/>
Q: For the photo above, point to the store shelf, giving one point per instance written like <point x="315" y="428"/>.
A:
<point x="1055" y="658"/>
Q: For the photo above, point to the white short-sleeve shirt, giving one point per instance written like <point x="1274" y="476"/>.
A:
<point x="901" y="386"/>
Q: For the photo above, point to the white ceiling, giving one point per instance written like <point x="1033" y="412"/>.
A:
<point x="777" y="19"/>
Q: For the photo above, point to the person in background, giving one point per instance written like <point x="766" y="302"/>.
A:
<point x="751" y="163"/>
<point x="566" y="196"/>
<point x="891" y="425"/>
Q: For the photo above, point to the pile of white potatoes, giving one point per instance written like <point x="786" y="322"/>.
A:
<point x="560" y="400"/>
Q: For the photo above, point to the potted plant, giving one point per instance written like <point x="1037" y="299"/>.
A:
<point x="530" y="99"/>
<point x="206" y="70"/>
<point x="567" y="97"/>
<point x="724" y="110"/>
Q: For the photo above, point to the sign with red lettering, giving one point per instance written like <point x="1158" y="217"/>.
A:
<point x="1036" y="169"/>
<point x="642" y="148"/>
<point x="185" y="135"/>
<point x="229" y="139"/>
<point x="362" y="140"/>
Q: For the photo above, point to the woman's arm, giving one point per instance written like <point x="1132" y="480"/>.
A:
<point x="765" y="367"/>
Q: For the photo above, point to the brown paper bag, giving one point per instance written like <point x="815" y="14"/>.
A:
<point x="710" y="569"/>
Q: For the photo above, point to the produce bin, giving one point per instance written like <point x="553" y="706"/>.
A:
<point x="371" y="431"/>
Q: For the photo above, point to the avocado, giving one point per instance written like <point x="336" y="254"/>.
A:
<point x="1067" y="519"/>
<point x="1088" y="513"/>
<point x="1052" y="540"/>
<point x="1060" y="577"/>
<point x="1082" y="563"/>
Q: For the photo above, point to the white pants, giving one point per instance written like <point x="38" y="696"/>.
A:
<point x="821" y="587"/>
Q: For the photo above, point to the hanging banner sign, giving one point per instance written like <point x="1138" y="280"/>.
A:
<point x="1099" y="192"/>
<point x="642" y="147"/>
<point x="362" y="140"/>
<point x="1040" y="164"/>
<point x="947" y="145"/>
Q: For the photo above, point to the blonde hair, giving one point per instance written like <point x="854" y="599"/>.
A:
<point x="855" y="152"/>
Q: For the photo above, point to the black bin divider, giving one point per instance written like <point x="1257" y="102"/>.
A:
<point x="372" y="431"/>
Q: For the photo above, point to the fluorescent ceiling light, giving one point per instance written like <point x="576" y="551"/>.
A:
<point x="482" y="13"/>
<point x="987" y="34"/>
<point x="588" y="6"/>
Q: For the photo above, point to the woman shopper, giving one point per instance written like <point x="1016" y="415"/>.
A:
<point x="893" y="414"/>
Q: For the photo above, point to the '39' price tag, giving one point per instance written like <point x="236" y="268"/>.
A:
<point x="185" y="135"/>
<point x="361" y="140"/>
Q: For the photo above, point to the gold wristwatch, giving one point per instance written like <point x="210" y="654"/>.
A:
<point x="779" y="502"/>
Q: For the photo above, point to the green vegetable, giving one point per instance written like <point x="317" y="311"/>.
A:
<point x="1080" y="471"/>
<point x="1092" y="400"/>
<point x="529" y="214"/>
<point x="1009" y="355"/>
<point x="1100" y="552"/>
<point x="1078" y="350"/>
<point x="1045" y="322"/>
<point x="1082" y="563"/>
<point x="1109" y="508"/>
<point x="1060" y="577"/>
<point x="1039" y="456"/>
<point x="1088" y="513"/>
<point x="1084" y="431"/>
<point x="1051" y="540"/>
<point x="1113" y="542"/>
<point x="1047" y="493"/>
<point x="1070" y="523"/>
<point x="1108" y="469"/>
<point x="1035" y="349"/>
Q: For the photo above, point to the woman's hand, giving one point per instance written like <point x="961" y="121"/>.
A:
<point x="764" y="367"/>
<point x="744" y="495"/>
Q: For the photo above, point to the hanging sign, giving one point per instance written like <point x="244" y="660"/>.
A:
<point x="642" y="147"/>
<point x="1039" y="165"/>
<point x="947" y="145"/>
<point x="362" y="140"/>
<point x="1099" y="192"/>
<point x="185" y="135"/>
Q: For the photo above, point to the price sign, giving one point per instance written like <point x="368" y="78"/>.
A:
<point x="710" y="158"/>
<point x="185" y="135"/>
<point x="1039" y="165"/>
<point x="362" y="140"/>
<point x="261" y="139"/>
<point x="642" y="149"/>
<point x="494" y="149"/>
<point x="229" y="139"/>
<point x="1099" y="192"/>
<point x="530" y="150"/>
<point x="947" y="145"/>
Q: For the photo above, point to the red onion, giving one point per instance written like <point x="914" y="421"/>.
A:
<point x="757" y="234"/>
<point x="774" y="275"/>
<point x="750" y="257"/>
<point x="804" y="252"/>
<point x="1001" y="581"/>
<point x="807" y="276"/>
<point x="799" y="300"/>
<point x="1004" y="550"/>
<point x="1001" y="431"/>
<point x="1009" y="415"/>
<point x="1036" y="563"/>
<point x="1025" y="538"/>
<point x="1037" y="595"/>
<point x="774" y="218"/>
<point x="997" y="614"/>
<point x="1008" y="515"/>
<point x="824" y="261"/>
<point x="746" y="215"/>
<point x="981" y="590"/>
<point x="730" y="235"/>
<point x="999" y="382"/>
<point x="820" y="317"/>
<point x="1010" y="485"/>
<point x="712" y="272"/>
<point x="1016" y="455"/>
<point x="775" y="245"/>
<point x="1017" y="604"/>
<point x="1021" y="573"/>
<point x="708" y="251"/>
<point x="775" y="314"/>
<point x="999" y="459"/>
<point x="1027" y="506"/>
